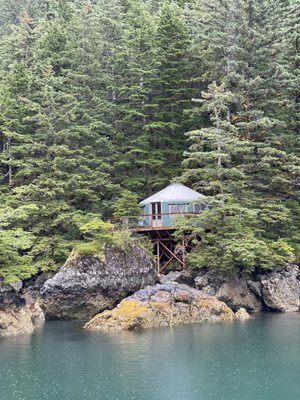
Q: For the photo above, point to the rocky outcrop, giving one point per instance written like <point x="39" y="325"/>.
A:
<point x="242" y="315"/>
<point x="278" y="290"/>
<point x="186" y="277"/>
<point x="162" y="305"/>
<point x="281" y="289"/>
<point x="232" y="288"/>
<point x="88" y="285"/>
<point x="31" y="293"/>
<point x="15" y="317"/>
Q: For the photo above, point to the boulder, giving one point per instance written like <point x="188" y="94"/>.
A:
<point x="162" y="305"/>
<point x="15" y="317"/>
<point x="281" y="289"/>
<point x="242" y="315"/>
<point x="186" y="277"/>
<point x="34" y="307"/>
<point x="232" y="288"/>
<point x="87" y="285"/>
<point x="31" y="293"/>
<point x="277" y="290"/>
<point x="17" y="285"/>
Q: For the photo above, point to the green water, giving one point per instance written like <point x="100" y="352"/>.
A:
<point x="258" y="359"/>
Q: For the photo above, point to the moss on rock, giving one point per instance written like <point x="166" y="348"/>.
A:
<point x="162" y="305"/>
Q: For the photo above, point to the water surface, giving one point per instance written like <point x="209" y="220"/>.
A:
<point x="257" y="359"/>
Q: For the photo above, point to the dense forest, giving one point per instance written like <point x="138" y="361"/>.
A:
<point x="104" y="102"/>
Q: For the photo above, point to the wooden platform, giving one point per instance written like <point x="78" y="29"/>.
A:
<point x="152" y="228"/>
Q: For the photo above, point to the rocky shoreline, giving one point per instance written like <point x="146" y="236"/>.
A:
<point x="278" y="290"/>
<point x="121" y="291"/>
<point x="15" y="316"/>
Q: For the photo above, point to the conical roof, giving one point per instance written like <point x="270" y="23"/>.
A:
<point x="173" y="193"/>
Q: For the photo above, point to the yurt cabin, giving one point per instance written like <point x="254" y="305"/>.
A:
<point x="160" y="209"/>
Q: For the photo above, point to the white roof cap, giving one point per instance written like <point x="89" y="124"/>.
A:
<point x="173" y="193"/>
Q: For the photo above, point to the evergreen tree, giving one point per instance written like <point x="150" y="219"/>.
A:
<point x="12" y="10"/>
<point x="288" y="18"/>
<point x="237" y="39"/>
<point x="234" y="230"/>
<point x="61" y="160"/>
<point x="95" y="99"/>
<point x="135" y="66"/>
<point x="126" y="205"/>
<point x="214" y="158"/>
<point x="171" y="94"/>
<point x="15" y="242"/>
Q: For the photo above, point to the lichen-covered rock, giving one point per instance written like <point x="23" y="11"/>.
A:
<point x="162" y="305"/>
<point x="281" y="289"/>
<point x="242" y="315"/>
<point x="186" y="277"/>
<point x="87" y="285"/>
<point x="232" y="288"/>
<point x="15" y="318"/>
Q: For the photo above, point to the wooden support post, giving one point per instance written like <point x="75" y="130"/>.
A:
<point x="167" y="249"/>
<point x="158" y="257"/>
<point x="183" y="254"/>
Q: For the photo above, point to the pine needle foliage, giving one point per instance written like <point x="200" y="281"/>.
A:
<point x="102" y="100"/>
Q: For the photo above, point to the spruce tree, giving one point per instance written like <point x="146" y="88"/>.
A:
<point x="136" y="69"/>
<point x="233" y="230"/>
<point x="95" y="99"/>
<point x="171" y="93"/>
<point x="60" y="157"/>
<point x="213" y="161"/>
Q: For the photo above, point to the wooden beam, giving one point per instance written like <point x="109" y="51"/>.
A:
<point x="158" y="257"/>
<point x="173" y="254"/>
<point x="163" y="240"/>
<point x="167" y="263"/>
<point x="183" y="254"/>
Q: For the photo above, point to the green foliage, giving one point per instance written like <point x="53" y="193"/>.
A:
<point x="15" y="262"/>
<point x="95" y="101"/>
<point x="154" y="89"/>
<point x="227" y="237"/>
<point x="244" y="228"/>
<point x="244" y="254"/>
<point x="126" y="205"/>
<point x="211" y="158"/>
<point x="98" y="230"/>
<point x="94" y="248"/>
<point x="98" y="235"/>
<point x="244" y="152"/>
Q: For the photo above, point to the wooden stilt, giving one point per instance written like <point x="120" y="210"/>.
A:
<point x="167" y="249"/>
<point x="183" y="254"/>
<point x="158" y="257"/>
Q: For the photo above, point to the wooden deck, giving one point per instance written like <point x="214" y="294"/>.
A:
<point x="154" y="222"/>
<point x="153" y="228"/>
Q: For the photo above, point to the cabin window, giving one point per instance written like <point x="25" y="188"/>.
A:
<point x="177" y="209"/>
<point x="156" y="210"/>
<point x="199" y="207"/>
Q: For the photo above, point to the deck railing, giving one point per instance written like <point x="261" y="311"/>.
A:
<point x="154" y="220"/>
